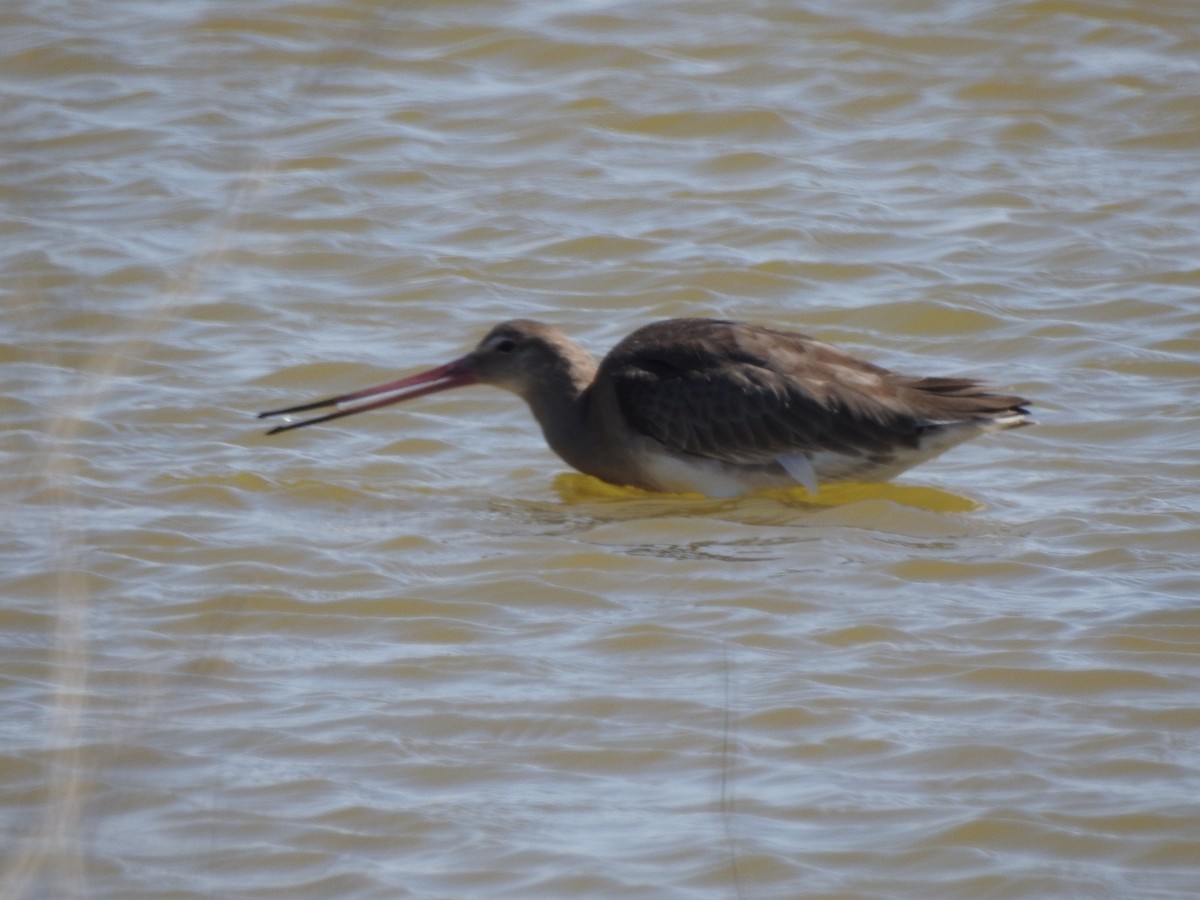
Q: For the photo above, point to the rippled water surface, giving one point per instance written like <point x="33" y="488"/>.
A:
<point x="404" y="655"/>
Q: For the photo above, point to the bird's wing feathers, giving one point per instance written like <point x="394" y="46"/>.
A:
<point x="750" y="395"/>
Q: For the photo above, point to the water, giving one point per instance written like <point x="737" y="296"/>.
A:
<point x="402" y="655"/>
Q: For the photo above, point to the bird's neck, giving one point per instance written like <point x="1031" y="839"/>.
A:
<point x="559" y="403"/>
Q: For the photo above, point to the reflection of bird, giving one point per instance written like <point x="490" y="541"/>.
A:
<point x="711" y="406"/>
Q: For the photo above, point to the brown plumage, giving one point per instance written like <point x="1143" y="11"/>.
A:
<point x="712" y="406"/>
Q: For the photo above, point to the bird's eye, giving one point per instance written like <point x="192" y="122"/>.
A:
<point x="507" y="345"/>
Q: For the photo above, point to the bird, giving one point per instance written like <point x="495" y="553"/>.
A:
<point x="709" y="406"/>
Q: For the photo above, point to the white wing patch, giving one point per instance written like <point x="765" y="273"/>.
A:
<point x="800" y="467"/>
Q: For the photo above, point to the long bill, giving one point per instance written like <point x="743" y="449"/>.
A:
<point x="451" y="375"/>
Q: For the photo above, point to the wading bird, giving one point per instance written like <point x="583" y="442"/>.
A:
<point x="710" y="406"/>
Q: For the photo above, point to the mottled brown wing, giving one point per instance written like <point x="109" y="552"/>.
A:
<point x="745" y="394"/>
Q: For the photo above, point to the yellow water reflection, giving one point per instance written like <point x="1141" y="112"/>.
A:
<point x="574" y="487"/>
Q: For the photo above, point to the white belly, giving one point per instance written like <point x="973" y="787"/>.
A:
<point x="713" y="478"/>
